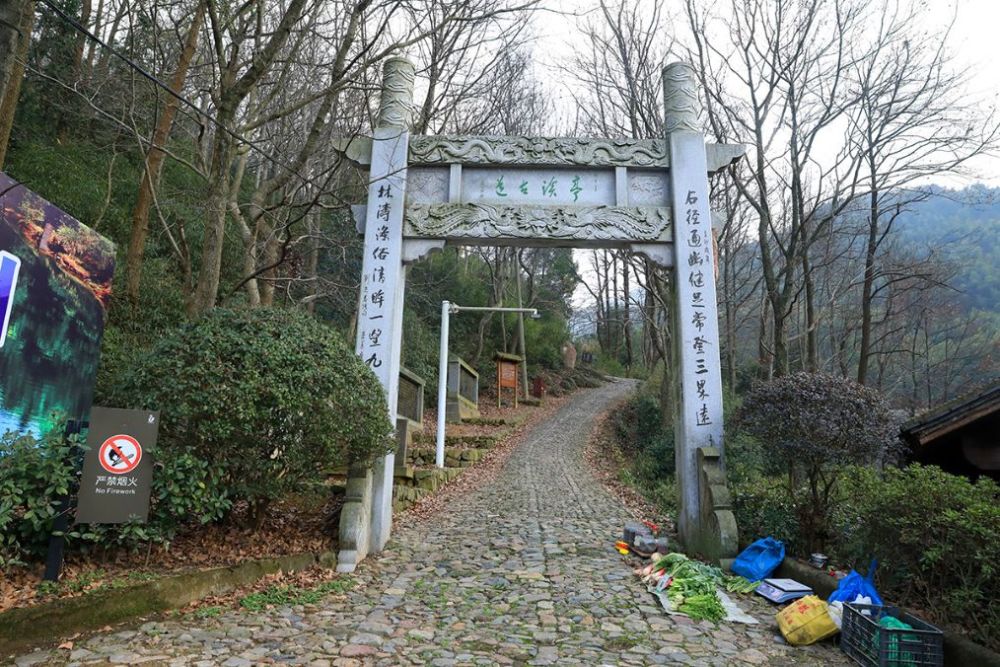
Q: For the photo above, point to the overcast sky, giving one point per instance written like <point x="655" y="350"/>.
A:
<point x="974" y="41"/>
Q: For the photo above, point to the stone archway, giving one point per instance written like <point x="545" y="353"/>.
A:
<point x="650" y="196"/>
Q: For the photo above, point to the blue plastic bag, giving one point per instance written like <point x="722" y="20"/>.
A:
<point x="853" y="585"/>
<point x="760" y="559"/>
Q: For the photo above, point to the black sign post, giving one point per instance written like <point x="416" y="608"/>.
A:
<point x="57" y="541"/>
<point x="118" y="469"/>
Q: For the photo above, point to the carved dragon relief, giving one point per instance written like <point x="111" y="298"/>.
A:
<point x="539" y="151"/>
<point x="583" y="223"/>
<point x="443" y="151"/>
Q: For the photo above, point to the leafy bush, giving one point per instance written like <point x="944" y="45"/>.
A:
<point x="649" y="448"/>
<point x="817" y="423"/>
<point x="937" y="538"/>
<point x="268" y="397"/>
<point x="763" y="508"/>
<point x="421" y="348"/>
<point x="544" y="339"/>
<point x="34" y="475"/>
<point x="186" y="491"/>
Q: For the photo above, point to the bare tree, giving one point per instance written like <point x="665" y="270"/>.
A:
<point x="776" y="83"/>
<point x="912" y="119"/>
<point x="616" y="84"/>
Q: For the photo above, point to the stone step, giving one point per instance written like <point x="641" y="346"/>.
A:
<point x="475" y="441"/>
<point x="427" y="479"/>
<point x="453" y="458"/>
<point x="489" y="421"/>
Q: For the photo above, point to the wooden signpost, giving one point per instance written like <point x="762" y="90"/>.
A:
<point x="507" y="365"/>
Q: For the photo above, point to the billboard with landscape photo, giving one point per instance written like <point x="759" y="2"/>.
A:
<point x="55" y="280"/>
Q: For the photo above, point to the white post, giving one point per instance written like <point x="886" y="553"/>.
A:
<point x="380" y="315"/>
<point x="698" y="422"/>
<point x="442" y="384"/>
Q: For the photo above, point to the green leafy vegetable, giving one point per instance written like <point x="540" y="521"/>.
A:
<point x="693" y="586"/>
<point x="740" y="585"/>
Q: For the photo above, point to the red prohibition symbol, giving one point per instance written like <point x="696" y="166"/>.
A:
<point x="120" y="454"/>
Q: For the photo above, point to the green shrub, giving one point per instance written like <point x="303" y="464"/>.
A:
<point x="544" y="339"/>
<point x="648" y="449"/>
<point x="937" y="538"/>
<point x="269" y="398"/>
<point x="763" y="508"/>
<point x="817" y="423"/>
<point x="638" y="421"/>
<point x="186" y="492"/>
<point x="421" y="348"/>
<point x="34" y="475"/>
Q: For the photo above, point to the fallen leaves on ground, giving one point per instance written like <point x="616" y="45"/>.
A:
<point x="309" y="578"/>
<point x="290" y="527"/>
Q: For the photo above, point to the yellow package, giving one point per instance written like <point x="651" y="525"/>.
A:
<point x="806" y="621"/>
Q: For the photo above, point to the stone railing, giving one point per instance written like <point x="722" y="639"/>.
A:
<point x="410" y="400"/>
<point x="409" y="412"/>
<point x="463" y="390"/>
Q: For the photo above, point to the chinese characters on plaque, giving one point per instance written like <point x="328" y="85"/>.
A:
<point x="542" y="185"/>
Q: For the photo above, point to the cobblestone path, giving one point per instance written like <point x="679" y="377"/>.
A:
<point x="519" y="572"/>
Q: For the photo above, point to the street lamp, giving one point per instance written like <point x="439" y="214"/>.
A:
<point x="446" y="309"/>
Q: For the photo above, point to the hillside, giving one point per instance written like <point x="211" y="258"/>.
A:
<point x="963" y="226"/>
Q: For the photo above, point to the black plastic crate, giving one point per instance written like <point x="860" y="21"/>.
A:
<point x="868" y="643"/>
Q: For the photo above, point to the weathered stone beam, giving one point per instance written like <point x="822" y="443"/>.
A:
<point x="538" y="152"/>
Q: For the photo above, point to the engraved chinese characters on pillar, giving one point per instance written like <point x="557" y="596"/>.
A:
<point x="382" y="255"/>
<point x="699" y="261"/>
<point x="699" y="422"/>
<point x="373" y="305"/>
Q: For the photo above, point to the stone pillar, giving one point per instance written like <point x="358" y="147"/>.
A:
<point x="380" y="308"/>
<point x="698" y="421"/>
<point x="569" y="356"/>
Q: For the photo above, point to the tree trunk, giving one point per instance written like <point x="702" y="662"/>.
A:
<point x="520" y="324"/>
<point x="864" y="348"/>
<point x="10" y="22"/>
<point x="729" y="298"/>
<point x="76" y="73"/>
<point x="154" y="162"/>
<point x="609" y="345"/>
<point x="765" y="354"/>
<point x="626" y="321"/>
<point x="312" y="260"/>
<point x="12" y="61"/>
<point x="217" y="200"/>
<point x="812" y="325"/>
<point x="616" y="311"/>
<point x="779" y="340"/>
<point x="270" y="257"/>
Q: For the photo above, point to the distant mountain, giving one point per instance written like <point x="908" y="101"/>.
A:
<point x="963" y="226"/>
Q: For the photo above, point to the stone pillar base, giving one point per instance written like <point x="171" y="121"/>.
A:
<point x="715" y="535"/>
<point x="355" y="519"/>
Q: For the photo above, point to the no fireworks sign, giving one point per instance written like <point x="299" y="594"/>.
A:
<point x="117" y="471"/>
<point x="120" y="454"/>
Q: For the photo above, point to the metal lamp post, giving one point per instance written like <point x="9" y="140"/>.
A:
<point x="446" y="309"/>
